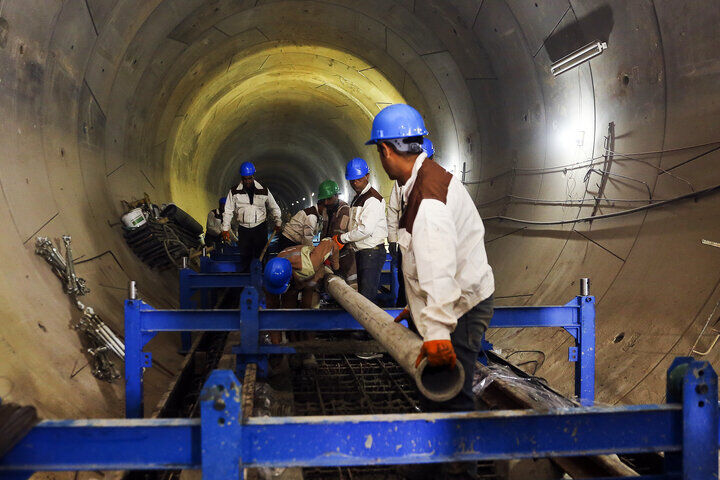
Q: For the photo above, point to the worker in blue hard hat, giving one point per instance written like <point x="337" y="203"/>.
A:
<point x="448" y="281"/>
<point x="393" y="218"/>
<point x="367" y="230"/>
<point x="248" y="204"/>
<point x="297" y="271"/>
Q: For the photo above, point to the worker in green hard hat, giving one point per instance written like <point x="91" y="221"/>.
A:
<point x="335" y="221"/>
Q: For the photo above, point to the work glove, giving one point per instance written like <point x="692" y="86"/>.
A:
<point x="438" y="353"/>
<point x="404" y="315"/>
<point x="393" y="248"/>
<point x="225" y="235"/>
<point x="336" y="239"/>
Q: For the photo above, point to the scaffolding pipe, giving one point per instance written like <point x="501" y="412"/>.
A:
<point x="438" y="384"/>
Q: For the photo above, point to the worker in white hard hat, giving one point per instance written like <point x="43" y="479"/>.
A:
<point x="248" y="204"/>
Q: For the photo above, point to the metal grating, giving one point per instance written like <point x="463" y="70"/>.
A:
<point x="349" y="385"/>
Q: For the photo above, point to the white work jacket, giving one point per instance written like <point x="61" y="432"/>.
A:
<point x="393" y="212"/>
<point x="368" y="225"/>
<point x="303" y="226"/>
<point x="249" y="212"/>
<point x="214" y="223"/>
<point x="441" y="237"/>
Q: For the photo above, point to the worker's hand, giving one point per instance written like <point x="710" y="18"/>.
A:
<point x="404" y="315"/>
<point x="278" y="228"/>
<point x="225" y="235"/>
<point x="336" y="239"/>
<point x="438" y="353"/>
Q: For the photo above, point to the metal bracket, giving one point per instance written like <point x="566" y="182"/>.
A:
<point x="573" y="354"/>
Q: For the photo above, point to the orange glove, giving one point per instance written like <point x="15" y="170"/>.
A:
<point x="336" y="239"/>
<point x="438" y="352"/>
<point x="404" y="315"/>
<point x="225" y="235"/>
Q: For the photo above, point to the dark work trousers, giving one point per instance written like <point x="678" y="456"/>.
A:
<point x="283" y="243"/>
<point x="369" y="267"/>
<point x="251" y="242"/>
<point x="467" y="342"/>
<point x="401" y="299"/>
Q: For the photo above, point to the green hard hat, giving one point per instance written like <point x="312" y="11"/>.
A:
<point x="327" y="189"/>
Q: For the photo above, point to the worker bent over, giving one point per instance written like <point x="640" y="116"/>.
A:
<point x="249" y="203"/>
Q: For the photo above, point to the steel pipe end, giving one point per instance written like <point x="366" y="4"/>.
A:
<point x="439" y="384"/>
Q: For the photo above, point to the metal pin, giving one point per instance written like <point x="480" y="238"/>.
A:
<point x="184" y="262"/>
<point x="584" y="287"/>
<point x="132" y="290"/>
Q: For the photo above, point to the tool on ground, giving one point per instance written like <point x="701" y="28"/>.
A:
<point x="436" y="383"/>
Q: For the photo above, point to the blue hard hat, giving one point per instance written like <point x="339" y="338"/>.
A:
<point x="397" y="121"/>
<point x="277" y="275"/>
<point x="223" y="200"/>
<point x="356" y="168"/>
<point x="247" y="169"/>
<point x="428" y="147"/>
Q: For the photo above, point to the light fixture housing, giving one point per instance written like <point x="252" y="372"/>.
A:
<point x="582" y="55"/>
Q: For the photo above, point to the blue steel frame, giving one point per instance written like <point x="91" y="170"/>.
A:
<point x="207" y="280"/>
<point x="143" y="322"/>
<point x="222" y="443"/>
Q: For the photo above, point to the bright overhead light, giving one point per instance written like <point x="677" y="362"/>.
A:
<point x="591" y="50"/>
<point x="303" y="199"/>
<point x="312" y="194"/>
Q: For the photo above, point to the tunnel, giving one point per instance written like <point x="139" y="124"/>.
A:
<point x="606" y="171"/>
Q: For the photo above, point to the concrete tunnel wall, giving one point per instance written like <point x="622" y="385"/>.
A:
<point x="104" y="100"/>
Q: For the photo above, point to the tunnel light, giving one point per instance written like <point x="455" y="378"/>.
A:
<point x="591" y="50"/>
<point x="312" y="194"/>
<point x="303" y="199"/>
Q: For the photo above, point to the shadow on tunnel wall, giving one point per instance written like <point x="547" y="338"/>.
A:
<point x="597" y="25"/>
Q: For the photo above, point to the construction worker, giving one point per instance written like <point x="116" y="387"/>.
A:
<point x="248" y="204"/>
<point x="367" y="230"/>
<point x="335" y="221"/>
<point x="305" y="224"/>
<point x="448" y="281"/>
<point x="393" y="218"/>
<point x="213" y="226"/>
<point x="298" y="270"/>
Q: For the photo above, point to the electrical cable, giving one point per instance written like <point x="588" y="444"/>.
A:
<point x="695" y="195"/>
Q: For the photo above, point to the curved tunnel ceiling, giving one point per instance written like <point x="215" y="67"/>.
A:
<point x="106" y="100"/>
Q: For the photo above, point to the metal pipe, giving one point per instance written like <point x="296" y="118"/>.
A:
<point x="584" y="287"/>
<point x="435" y="383"/>
<point x="132" y="290"/>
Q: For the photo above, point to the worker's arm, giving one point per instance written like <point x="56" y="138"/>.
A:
<point x="370" y="215"/>
<point x="393" y="213"/>
<point x="309" y="227"/>
<point x="214" y="225"/>
<point x="229" y="211"/>
<point x="434" y="246"/>
<point x="272" y="205"/>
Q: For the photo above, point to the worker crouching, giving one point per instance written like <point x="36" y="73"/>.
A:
<point x="297" y="271"/>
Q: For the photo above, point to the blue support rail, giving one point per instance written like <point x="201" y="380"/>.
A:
<point x="142" y="323"/>
<point x="222" y="443"/>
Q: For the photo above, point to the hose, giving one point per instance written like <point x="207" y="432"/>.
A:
<point x="699" y="193"/>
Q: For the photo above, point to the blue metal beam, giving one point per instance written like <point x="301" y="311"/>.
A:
<point x="350" y="440"/>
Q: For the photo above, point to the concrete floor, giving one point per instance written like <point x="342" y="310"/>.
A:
<point x="104" y="100"/>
